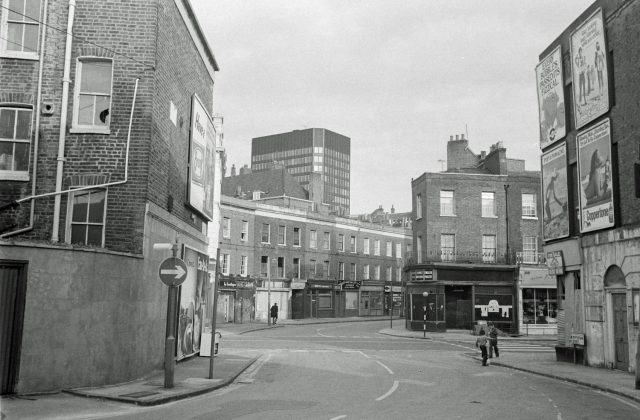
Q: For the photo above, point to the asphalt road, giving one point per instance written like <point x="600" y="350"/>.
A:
<point x="349" y="371"/>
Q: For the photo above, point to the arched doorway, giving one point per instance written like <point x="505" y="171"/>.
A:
<point x="616" y="285"/>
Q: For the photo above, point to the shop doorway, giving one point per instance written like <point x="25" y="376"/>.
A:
<point x="13" y="290"/>
<point x="297" y="304"/>
<point x="459" y="307"/>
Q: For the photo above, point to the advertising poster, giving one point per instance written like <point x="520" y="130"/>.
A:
<point x="201" y="159"/>
<point x="497" y="308"/>
<point x="555" y="196"/>
<point x="590" y="72"/>
<point x="594" y="172"/>
<point x="551" y="98"/>
<point x="192" y="309"/>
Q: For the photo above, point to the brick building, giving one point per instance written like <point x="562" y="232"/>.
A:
<point x="473" y="225"/>
<point x="106" y="147"/>
<point x="308" y="153"/>
<point x="591" y="181"/>
<point x="320" y="265"/>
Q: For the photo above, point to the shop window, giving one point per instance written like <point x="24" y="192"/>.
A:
<point x="324" y="300"/>
<point x="92" y="95"/>
<point x="86" y="215"/>
<point x="539" y="306"/>
<point x="19" y="28"/>
<point x="15" y="143"/>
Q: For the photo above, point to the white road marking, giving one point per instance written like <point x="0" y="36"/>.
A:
<point x="630" y="404"/>
<point x="339" y="417"/>
<point x="389" y="392"/>
<point x="384" y="366"/>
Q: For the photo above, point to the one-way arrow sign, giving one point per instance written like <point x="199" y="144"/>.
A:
<point x="173" y="271"/>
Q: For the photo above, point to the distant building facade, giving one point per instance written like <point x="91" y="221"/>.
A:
<point x="95" y="150"/>
<point x="591" y="182"/>
<point x="305" y="153"/>
<point x="292" y="251"/>
<point x="473" y="225"/>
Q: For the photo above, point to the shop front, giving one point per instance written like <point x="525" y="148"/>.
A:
<point x="313" y="299"/>
<point x="347" y="298"/>
<point x="236" y="299"/>
<point x="372" y="299"/>
<point x="441" y="297"/>
<point x="538" y="301"/>
<point x="393" y="299"/>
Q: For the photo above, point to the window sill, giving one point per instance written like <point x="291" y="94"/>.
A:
<point x="490" y="217"/>
<point x="89" y="130"/>
<point x="14" y="176"/>
<point x="448" y="215"/>
<point x="529" y="217"/>
<point x="19" y="55"/>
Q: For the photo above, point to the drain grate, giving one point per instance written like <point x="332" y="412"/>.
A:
<point x="140" y="394"/>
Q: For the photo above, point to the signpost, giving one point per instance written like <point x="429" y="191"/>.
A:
<point x="172" y="272"/>
<point x="424" y="315"/>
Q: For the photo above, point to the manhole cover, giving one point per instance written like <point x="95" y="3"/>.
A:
<point x="140" y="394"/>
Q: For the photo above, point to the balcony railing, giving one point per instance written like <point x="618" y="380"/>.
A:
<point x="484" y="256"/>
<point x="532" y="258"/>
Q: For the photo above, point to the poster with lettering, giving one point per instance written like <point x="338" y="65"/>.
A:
<point x="555" y="196"/>
<point x="192" y="308"/>
<point x="594" y="173"/>
<point x="590" y="72"/>
<point x="551" y="98"/>
<point x="201" y="159"/>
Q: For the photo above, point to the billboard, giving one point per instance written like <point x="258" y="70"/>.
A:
<point x="551" y="98"/>
<point x="192" y="309"/>
<point x="555" y="195"/>
<point x="594" y="173"/>
<point x="201" y="159"/>
<point x="589" y="69"/>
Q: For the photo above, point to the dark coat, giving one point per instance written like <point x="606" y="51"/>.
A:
<point x="274" y="311"/>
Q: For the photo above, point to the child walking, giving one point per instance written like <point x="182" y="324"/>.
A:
<point x="481" y="343"/>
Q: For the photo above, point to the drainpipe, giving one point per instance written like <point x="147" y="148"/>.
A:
<point x="506" y="219"/>
<point x="63" y="121"/>
<point x="36" y="137"/>
<point x="91" y="187"/>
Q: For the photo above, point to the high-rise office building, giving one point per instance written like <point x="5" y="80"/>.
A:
<point x="308" y="152"/>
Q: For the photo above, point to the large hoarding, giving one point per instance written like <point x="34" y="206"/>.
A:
<point x="551" y="98"/>
<point x="594" y="170"/>
<point x="589" y="70"/>
<point x="192" y="310"/>
<point x="201" y="159"/>
<point x="555" y="196"/>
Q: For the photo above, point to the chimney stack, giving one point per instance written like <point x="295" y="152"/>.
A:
<point x="233" y="170"/>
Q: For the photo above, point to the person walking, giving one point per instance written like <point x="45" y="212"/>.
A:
<point x="493" y="340"/>
<point x="481" y="343"/>
<point x="274" y="313"/>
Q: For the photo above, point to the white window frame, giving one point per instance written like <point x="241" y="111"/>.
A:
<point x="340" y="270"/>
<point x="376" y="273"/>
<point x="447" y="203"/>
<point x="225" y="263"/>
<point x="529" y="249"/>
<point x="12" y="174"/>
<point x="529" y="209"/>
<point x="353" y="244"/>
<point x="284" y="235"/>
<point x="389" y="249"/>
<point x="418" y="206"/>
<point x="4" y="33"/>
<point x="365" y="272"/>
<point x="90" y="128"/>
<point x="353" y="271"/>
<point x="244" y="260"/>
<point x="244" y="232"/>
<point x="313" y="239"/>
<point x="376" y="247"/>
<point x="489" y="244"/>
<point x="268" y="233"/>
<point x="296" y="272"/>
<point x="398" y="250"/>
<point x="388" y="273"/>
<point x="297" y="236"/>
<point x="313" y="268"/>
<point x="340" y="242"/>
<point x="419" y="249"/>
<point x="226" y="227"/>
<point x="488" y="204"/>
<point x="365" y="246"/>
<point x="398" y="274"/>
<point x="326" y="240"/>
<point x="69" y="221"/>
<point x="447" y="253"/>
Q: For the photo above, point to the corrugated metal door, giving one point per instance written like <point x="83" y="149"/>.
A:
<point x="12" y="297"/>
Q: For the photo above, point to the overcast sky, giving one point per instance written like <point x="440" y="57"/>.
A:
<point x="397" y="77"/>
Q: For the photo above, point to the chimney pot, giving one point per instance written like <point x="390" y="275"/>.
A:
<point x="462" y="136"/>
<point x="457" y="137"/>
<point x="451" y="137"/>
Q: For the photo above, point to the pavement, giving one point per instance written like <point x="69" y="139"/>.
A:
<point x="532" y="354"/>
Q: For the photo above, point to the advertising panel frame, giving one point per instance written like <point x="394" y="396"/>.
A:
<point x="202" y="157"/>
<point x="553" y="164"/>
<point x="551" y="102"/>
<point x="589" y="66"/>
<point x="192" y="303"/>
<point x="593" y="147"/>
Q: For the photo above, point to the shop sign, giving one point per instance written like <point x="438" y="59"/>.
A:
<point x="577" y="339"/>
<point x="320" y="285"/>
<point x="350" y="285"/>
<point x="555" y="263"/>
<point x="297" y="285"/>
<point x="236" y="284"/>
<point x="421" y="275"/>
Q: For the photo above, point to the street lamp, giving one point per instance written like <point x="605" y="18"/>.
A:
<point x="424" y="315"/>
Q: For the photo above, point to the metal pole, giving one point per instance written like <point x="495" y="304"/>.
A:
<point x="268" y="291"/>
<point x="216" y="276"/>
<point x="391" y="308"/>
<point x="506" y="220"/>
<point x="638" y="363"/>
<point x="170" y="341"/>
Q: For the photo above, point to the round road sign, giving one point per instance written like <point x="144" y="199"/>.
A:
<point x="173" y="271"/>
